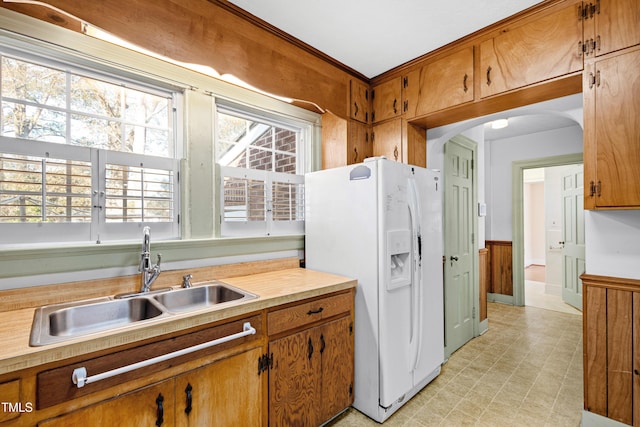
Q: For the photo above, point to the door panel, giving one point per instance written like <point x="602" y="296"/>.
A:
<point x="573" y="252"/>
<point x="458" y="264"/>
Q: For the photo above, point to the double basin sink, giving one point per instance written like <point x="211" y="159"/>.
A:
<point x="61" y="322"/>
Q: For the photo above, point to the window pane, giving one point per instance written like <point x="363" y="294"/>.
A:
<point x="249" y="144"/>
<point x="95" y="97"/>
<point x="146" y="109"/>
<point x="244" y="199"/>
<point x="142" y="140"/>
<point x="288" y="201"/>
<point x="66" y="189"/>
<point x="33" y="83"/>
<point x="93" y="132"/>
<point x="139" y="194"/>
<point x="29" y="122"/>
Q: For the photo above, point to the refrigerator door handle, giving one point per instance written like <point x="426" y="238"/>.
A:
<point x="416" y="277"/>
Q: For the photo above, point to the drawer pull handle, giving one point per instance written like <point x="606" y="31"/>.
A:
<point x="80" y="378"/>
<point x="188" y="408"/>
<point x="310" y="350"/>
<point x="160" y="410"/>
<point x="323" y="344"/>
<point x="311" y="312"/>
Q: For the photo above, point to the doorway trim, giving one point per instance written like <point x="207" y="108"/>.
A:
<point x="517" y="221"/>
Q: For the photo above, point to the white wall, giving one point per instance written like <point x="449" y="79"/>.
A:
<point x="502" y="153"/>
<point x="613" y="243"/>
<point x="534" y="223"/>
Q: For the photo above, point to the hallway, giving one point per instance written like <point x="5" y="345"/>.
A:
<point x="526" y="370"/>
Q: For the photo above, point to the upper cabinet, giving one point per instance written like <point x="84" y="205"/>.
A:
<point x="359" y="108"/>
<point x="611" y="88"/>
<point x="387" y="100"/>
<point x="440" y="84"/>
<point x="610" y="25"/>
<point x="538" y="50"/>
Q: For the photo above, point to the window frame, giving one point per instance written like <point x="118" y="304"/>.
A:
<point x="269" y="226"/>
<point x="98" y="229"/>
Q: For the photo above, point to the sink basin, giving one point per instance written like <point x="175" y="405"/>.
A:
<point x="203" y="296"/>
<point x="59" y="322"/>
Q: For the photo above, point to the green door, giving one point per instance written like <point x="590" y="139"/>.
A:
<point x="458" y="244"/>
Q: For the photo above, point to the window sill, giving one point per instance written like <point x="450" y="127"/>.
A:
<point x="41" y="260"/>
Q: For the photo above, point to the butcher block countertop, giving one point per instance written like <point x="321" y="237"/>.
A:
<point x="273" y="288"/>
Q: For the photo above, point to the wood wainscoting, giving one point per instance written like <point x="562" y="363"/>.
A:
<point x="500" y="267"/>
<point x="483" y="263"/>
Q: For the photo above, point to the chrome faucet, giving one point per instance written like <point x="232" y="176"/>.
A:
<point x="149" y="272"/>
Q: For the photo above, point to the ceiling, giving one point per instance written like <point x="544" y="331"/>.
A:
<point x="374" y="36"/>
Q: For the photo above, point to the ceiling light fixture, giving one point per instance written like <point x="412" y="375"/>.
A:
<point x="499" y="124"/>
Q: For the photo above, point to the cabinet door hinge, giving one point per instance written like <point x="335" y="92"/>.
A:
<point x="405" y="81"/>
<point x="265" y="362"/>
<point x="473" y="313"/>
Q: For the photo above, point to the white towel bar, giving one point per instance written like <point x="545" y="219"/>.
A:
<point x="80" y="378"/>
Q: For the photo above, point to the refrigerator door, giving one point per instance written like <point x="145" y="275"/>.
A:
<point x="397" y="281"/>
<point x="431" y="350"/>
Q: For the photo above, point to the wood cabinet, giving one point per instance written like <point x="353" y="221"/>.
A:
<point x="344" y="141"/>
<point x="401" y="141"/>
<point x="610" y="25"/>
<point x="535" y="51"/>
<point x="150" y="406"/>
<point x="439" y="84"/>
<point x="359" y="97"/>
<point x="311" y="356"/>
<point x="386" y="100"/>
<point x="612" y="347"/>
<point x="612" y="131"/>
<point x="225" y="393"/>
<point x="219" y="385"/>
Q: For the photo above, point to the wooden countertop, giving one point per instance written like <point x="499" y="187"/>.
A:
<point x="273" y="288"/>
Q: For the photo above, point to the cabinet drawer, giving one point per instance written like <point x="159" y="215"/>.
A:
<point x="308" y="312"/>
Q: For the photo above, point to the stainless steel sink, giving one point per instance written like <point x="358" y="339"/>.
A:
<point x="200" y="297"/>
<point x="61" y="322"/>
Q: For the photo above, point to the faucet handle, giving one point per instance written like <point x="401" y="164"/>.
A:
<point x="159" y="259"/>
<point x="186" y="280"/>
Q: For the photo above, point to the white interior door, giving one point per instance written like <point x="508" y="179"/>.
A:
<point x="458" y="232"/>
<point x="573" y="252"/>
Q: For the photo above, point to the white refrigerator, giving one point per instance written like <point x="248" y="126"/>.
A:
<point x="380" y="222"/>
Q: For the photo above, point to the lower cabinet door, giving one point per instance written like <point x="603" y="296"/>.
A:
<point x="149" y="406"/>
<point x="294" y="380"/>
<point x="336" y="349"/>
<point x="225" y="393"/>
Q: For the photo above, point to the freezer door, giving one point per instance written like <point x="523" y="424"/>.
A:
<point x="397" y="275"/>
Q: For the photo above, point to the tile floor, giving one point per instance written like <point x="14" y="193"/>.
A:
<point x="526" y="370"/>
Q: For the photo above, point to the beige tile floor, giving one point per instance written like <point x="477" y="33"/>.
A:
<point x="526" y="370"/>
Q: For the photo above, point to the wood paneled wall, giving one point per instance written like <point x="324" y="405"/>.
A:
<point x="485" y="268"/>
<point x="500" y="267"/>
<point x="217" y="34"/>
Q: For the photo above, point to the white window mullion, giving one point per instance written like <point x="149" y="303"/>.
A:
<point x="98" y="180"/>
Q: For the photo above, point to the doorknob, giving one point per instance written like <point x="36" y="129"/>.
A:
<point x="453" y="257"/>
